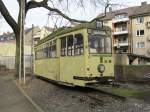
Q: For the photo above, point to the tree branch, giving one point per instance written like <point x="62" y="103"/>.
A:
<point x="44" y="4"/>
<point x="8" y="17"/>
<point x="105" y="11"/>
<point x="19" y="2"/>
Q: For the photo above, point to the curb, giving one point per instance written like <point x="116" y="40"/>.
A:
<point x="29" y="99"/>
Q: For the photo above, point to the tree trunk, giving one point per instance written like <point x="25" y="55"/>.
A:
<point x="17" y="58"/>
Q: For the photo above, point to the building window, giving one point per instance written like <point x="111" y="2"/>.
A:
<point x="140" y="45"/>
<point x="140" y="20"/>
<point x="121" y="16"/>
<point x="140" y="33"/>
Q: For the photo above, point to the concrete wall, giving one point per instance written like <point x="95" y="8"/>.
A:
<point x="7" y="55"/>
<point x="121" y="59"/>
<point x="9" y="49"/>
<point x="132" y="72"/>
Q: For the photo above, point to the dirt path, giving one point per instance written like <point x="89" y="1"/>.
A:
<point x="11" y="99"/>
<point x="54" y="98"/>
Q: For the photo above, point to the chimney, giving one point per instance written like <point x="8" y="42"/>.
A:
<point x="143" y="3"/>
<point x="110" y="9"/>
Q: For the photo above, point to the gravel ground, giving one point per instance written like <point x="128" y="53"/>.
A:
<point x="54" y="98"/>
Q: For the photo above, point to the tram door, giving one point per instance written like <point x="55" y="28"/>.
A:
<point x="71" y="57"/>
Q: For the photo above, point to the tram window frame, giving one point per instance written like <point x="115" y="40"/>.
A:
<point x="45" y="51"/>
<point x="70" y="45"/>
<point x="52" y="49"/>
<point x="40" y="54"/>
<point x="79" y="46"/>
<point x="106" y="48"/>
<point x="63" y="46"/>
<point x="36" y="54"/>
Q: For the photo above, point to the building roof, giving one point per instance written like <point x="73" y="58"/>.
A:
<point x="65" y="30"/>
<point x="49" y="29"/>
<point x="6" y="37"/>
<point x="144" y="9"/>
<point x="30" y="29"/>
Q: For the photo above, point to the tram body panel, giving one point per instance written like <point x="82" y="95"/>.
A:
<point x="48" y="68"/>
<point x="107" y="61"/>
<point x="73" y="69"/>
<point x="71" y="66"/>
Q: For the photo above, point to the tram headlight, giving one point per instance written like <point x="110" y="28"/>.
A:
<point x="101" y="68"/>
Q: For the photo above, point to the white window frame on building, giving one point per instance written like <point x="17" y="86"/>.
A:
<point x="140" y="20"/>
<point x="140" y="45"/>
<point x="140" y="33"/>
<point x="120" y="16"/>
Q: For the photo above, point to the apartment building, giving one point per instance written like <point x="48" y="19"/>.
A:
<point x="130" y="29"/>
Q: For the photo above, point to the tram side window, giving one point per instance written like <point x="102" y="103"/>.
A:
<point x="70" y="46"/>
<point x="41" y="53"/>
<point x="63" y="46"/>
<point x="52" y="49"/>
<point x="38" y="54"/>
<point x="45" y="52"/>
<point x="78" y="44"/>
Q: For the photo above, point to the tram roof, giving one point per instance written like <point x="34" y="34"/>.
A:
<point x="65" y="30"/>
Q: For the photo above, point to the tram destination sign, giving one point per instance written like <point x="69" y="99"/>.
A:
<point x="98" y="32"/>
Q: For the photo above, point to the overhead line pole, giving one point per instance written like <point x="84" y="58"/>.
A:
<point x="20" y="43"/>
<point x="23" y="40"/>
<point x="22" y="35"/>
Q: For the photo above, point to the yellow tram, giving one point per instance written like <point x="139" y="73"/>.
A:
<point x="76" y="56"/>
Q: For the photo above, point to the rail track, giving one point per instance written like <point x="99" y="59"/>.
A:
<point x="109" y="90"/>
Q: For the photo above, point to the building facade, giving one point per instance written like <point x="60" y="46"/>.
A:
<point x="130" y="29"/>
<point x="130" y="32"/>
<point x="8" y="46"/>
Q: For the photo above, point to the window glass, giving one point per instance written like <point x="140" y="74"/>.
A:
<point x="140" y="45"/>
<point x="70" y="45"/>
<point x="121" y="16"/>
<point x="63" y="47"/>
<point x="107" y="45"/>
<point x="137" y="33"/>
<point x="99" y="44"/>
<point x="78" y="44"/>
<point x="38" y="54"/>
<point x="52" y="49"/>
<point x="140" y="32"/>
<point x="45" y="51"/>
<point x="140" y="20"/>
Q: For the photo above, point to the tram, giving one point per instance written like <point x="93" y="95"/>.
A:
<point x="76" y="56"/>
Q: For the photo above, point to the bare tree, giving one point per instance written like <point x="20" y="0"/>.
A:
<point x="50" y="5"/>
<point x="0" y="19"/>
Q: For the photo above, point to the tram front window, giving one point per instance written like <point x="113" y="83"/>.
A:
<point x="99" y="44"/>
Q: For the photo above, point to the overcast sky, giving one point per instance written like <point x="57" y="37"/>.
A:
<point x="39" y="16"/>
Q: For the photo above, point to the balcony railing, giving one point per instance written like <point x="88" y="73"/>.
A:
<point x="120" y="20"/>
<point x="122" y="43"/>
<point x="120" y="32"/>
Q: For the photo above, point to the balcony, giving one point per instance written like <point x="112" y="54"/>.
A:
<point x="119" y="20"/>
<point x="121" y="44"/>
<point x="121" y="32"/>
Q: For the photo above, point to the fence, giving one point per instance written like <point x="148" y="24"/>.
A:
<point x="132" y="72"/>
<point x="7" y="63"/>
